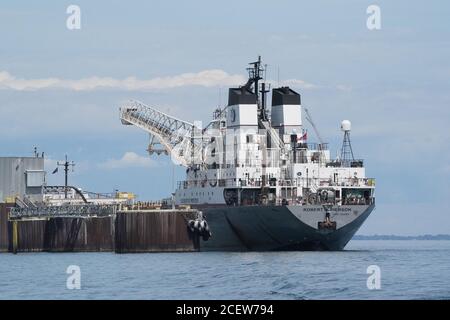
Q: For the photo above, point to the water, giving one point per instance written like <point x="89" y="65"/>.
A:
<point x="409" y="270"/>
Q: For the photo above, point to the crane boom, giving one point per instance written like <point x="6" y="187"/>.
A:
<point x="181" y="139"/>
<point x="310" y="120"/>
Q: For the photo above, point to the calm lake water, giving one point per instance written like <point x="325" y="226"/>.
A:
<point x="409" y="270"/>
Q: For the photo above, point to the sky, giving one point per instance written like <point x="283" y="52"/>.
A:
<point x="60" y="89"/>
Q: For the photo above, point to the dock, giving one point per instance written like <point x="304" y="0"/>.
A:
<point x="163" y="230"/>
<point x="91" y="228"/>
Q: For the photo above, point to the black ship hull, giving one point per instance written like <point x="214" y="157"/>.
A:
<point x="281" y="228"/>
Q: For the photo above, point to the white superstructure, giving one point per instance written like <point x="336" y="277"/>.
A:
<point x="249" y="155"/>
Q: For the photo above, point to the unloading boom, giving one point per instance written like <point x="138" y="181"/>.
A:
<point x="179" y="138"/>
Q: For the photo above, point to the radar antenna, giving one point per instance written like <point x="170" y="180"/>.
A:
<point x="346" y="149"/>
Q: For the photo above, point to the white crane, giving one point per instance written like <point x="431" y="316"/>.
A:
<point x="321" y="146"/>
<point x="181" y="139"/>
<point x="310" y="120"/>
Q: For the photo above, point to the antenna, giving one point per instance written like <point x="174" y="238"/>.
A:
<point x="254" y="75"/>
<point x="264" y="90"/>
<point x="346" y="150"/>
<point x="278" y="75"/>
<point x="66" y="164"/>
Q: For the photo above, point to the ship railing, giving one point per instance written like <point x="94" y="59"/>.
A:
<point x="356" y="163"/>
<point x="359" y="201"/>
<point x="298" y="182"/>
<point x="185" y="184"/>
<point x="314" y="146"/>
<point x="321" y="182"/>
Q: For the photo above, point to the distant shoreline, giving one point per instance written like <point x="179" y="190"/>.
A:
<point x="394" y="237"/>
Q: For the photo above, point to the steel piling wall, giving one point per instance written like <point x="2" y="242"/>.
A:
<point x="125" y="232"/>
<point x="61" y="235"/>
<point x="4" y="227"/>
<point x="154" y="231"/>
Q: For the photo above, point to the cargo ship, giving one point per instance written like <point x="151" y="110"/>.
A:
<point x="259" y="182"/>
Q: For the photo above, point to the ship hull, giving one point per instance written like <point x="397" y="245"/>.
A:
<point x="281" y="228"/>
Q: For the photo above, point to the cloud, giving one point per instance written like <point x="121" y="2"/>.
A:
<point x="129" y="160"/>
<point x="295" y="83"/>
<point x="299" y="83"/>
<point x="206" y="78"/>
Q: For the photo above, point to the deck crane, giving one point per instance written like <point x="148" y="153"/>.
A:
<point x="321" y="146"/>
<point x="181" y="139"/>
<point x="310" y="120"/>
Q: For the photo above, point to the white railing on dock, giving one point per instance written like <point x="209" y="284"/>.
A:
<point x="72" y="211"/>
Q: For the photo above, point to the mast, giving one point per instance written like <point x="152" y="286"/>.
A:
<point x="255" y="74"/>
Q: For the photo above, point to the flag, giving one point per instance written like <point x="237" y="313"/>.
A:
<point x="55" y="171"/>
<point x="303" y="138"/>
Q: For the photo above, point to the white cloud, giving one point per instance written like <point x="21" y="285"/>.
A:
<point x="128" y="160"/>
<point x="295" y="83"/>
<point x="299" y="83"/>
<point x="206" y="78"/>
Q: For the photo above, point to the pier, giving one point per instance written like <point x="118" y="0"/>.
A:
<point x="90" y="228"/>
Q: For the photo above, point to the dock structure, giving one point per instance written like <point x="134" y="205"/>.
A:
<point x="4" y="227"/>
<point x="155" y="231"/>
<point x="62" y="235"/>
<point x="96" y="228"/>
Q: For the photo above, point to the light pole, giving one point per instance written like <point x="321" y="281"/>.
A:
<point x="66" y="164"/>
